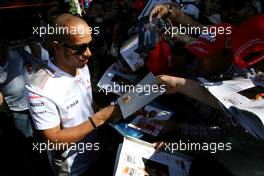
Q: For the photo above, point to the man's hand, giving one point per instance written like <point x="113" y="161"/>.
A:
<point x="77" y="133"/>
<point x="116" y="115"/>
<point x="110" y="113"/>
<point x="159" y="11"/>
<point x="178" y="17"/>
<point x="172" y="84"/>
<point x="188" y="87"/>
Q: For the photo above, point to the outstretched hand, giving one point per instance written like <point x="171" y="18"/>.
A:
<point x="159" y="11"/>
<point x="171" y="83"/>
<point x="116" y="114"/>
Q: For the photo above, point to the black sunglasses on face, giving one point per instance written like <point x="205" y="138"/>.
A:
<point x="79" y="49"/>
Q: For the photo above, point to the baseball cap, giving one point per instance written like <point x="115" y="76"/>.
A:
<point x="208" y="44"/>
<point x="248" y="42"/>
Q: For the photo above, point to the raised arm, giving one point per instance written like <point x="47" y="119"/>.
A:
<point x="190" y="88"/>
<point x="174" y="13"/>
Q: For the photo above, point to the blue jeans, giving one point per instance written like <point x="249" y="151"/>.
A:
<point x="22" y="120"/>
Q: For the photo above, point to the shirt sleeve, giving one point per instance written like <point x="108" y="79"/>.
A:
<point x="43" y="111"/>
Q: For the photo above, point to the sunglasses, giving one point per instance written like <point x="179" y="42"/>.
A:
<point x="79" y="49"/>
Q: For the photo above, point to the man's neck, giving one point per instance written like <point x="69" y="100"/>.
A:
<point x="71" y="71"/>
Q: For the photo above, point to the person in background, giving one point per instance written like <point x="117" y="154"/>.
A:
<point x="16" y="65"/>
<point x="248" y="51"/>
<point x="233" y="13"/>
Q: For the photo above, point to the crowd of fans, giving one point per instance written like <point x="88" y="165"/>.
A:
<point x="176" y="60"/>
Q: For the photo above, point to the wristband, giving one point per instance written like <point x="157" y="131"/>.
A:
<point x="92" y="122"/>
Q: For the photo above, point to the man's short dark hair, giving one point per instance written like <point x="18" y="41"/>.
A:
<point x="62" y="24"/>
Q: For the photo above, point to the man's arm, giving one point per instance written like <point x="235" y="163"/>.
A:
<point x="176" y="16"/>
<point x="77" y="133"/>
<point x="190" y="88"/>
<point x="47" y="119"/>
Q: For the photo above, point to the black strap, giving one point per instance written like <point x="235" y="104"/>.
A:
<point x="92" y="122"/>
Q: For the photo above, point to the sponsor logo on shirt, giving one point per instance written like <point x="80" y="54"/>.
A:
<point x="36" y="104"/>
<point x="72" y="104"/>
<point x="40" y="112"/>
